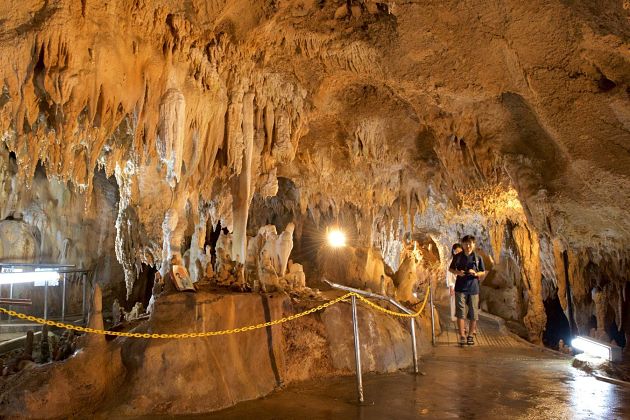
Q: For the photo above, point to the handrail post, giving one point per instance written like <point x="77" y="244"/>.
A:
<point x="83" y="303"/>
<point x="357" y="348"/>
<point x="10" y="297"/>
<point x="387" y="299"/>
<point x="46" y="300"/>
<point x="432" y="315"/>
<point x="414" y="350"/>
<point x="63" y="299"/>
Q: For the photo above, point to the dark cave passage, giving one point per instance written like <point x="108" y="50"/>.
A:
<point x="557" y="327"/>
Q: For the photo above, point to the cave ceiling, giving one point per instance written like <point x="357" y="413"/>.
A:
<point x="372" y="104"/>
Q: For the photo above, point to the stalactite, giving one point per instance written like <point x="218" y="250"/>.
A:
<point x="195" y="109"/>
<point x="171" y="132"/>
<point x="242" y="186"/>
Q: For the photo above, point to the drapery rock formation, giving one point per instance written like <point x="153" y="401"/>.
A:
<point x="136" y="132"/>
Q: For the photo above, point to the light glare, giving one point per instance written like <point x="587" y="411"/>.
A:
<point x="28" y="277"/>
<point x="591" y="347"/>
<point x="336" y="238"/>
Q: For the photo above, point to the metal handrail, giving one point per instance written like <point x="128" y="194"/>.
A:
<point x="357" y="347"/>
<point x="19" y="264"/>
<point x="369" y="294"/>
<point x="64" y="270"/>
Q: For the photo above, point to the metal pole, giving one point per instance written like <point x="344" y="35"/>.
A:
<point x="414" y="351"/>
<point x="385" y="298"/>
<point x="357" y="348"/>
<point x="83" y="277"/>
<point x="46" y="300"/>
<point x="432" y="320"/>
<point x="63" y="299"/>
<point x="10" y="297"/>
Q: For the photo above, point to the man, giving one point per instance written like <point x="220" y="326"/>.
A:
<point x="450" y="279"/>
<point x="469" y="269"/>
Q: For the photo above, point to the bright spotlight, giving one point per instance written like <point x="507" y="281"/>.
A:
<point x="596" y="348"/>
<point x="336" y="238"/>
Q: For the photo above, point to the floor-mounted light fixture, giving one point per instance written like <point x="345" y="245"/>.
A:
<point x="597" y="348"/>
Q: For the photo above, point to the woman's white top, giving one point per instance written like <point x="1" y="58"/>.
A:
<point x="450" y="279"/>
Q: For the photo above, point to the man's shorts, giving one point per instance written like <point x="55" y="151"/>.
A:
<point x="461" y="301"/>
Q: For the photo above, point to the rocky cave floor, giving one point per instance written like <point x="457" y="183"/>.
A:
<point x="223" y="140"/>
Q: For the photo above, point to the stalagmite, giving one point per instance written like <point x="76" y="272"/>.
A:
<point x="169" y="225"/>
<point x="116" y="312"/>
<point x="406" y="277"/>
<point x="44" y="346"/>
<point x="284" y="247"/>
<point x="135" y="135"/>
<point x="197" y="257"/>
<point x="95" y="319"/>
<point x="27" y="353"/>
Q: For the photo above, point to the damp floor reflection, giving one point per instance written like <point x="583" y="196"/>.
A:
<point x="523" y="383"/>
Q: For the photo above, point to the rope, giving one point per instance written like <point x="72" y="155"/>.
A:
<point x="211" y="333"/>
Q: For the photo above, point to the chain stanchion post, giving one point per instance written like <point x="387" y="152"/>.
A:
<point x="432" y="315"/>
<point x="357" y="348"/>
<point x="46" y="300"/>
<point x="63" y="299"/>
<point x="83" y="314"/>
<point x="414" y="350"/>
<point x="10" y="297"/>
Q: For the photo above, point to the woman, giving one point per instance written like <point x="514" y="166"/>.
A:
<point x="450" y="279"/>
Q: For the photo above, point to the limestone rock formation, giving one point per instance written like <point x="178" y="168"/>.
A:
<point x="135" y="132"/>
<point x="268" y="258"/>
<point x="130" y="377"/>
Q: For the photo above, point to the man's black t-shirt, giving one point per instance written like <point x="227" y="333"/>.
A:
<point x="467" y="283"/>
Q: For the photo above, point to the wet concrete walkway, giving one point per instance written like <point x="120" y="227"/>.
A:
<point x="500" y="378"/>
<point x="490" y="332"/>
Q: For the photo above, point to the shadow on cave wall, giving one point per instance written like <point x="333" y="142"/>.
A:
<point x="529" y="138"/>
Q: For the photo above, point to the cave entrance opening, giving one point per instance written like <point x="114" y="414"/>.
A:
<point x="557" y="327"/>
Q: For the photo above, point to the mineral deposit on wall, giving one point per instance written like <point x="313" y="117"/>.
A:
<point x="139" y="132"/>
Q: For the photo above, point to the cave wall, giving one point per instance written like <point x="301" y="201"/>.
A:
<point x="131" y="377"/>
<point x="391" y="118"/>
<point x="47" y="220"/>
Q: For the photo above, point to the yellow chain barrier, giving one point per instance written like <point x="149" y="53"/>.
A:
<point x="212" y="333"/>
<point x="394" y="313"/>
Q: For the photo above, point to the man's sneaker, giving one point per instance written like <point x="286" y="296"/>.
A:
<point x="470" y="340"/>
<point x="462" y="341"/>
